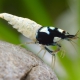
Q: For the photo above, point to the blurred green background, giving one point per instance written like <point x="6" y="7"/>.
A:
<point x="63" y="14"/>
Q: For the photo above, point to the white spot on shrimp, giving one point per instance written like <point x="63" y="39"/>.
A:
<point x="45" y="29"/>
<point x="60" y="30"/>
<point x="56" y="39"/>
<point x="52" y="28"/>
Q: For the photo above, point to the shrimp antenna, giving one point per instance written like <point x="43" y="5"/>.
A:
<point x="78" y="37"/>
<point x="75" y="36"/>
<point x="77" y="32"/>
<point x="73" y="45"/>
<point x="75" y="42"/>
